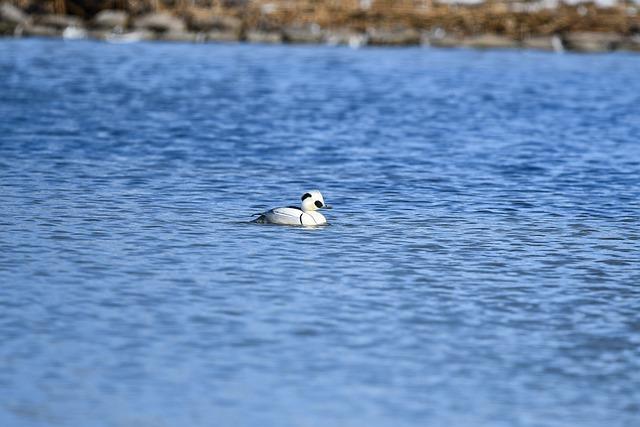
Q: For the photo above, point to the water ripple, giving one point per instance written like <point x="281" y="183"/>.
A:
<point x="480" y="268"/>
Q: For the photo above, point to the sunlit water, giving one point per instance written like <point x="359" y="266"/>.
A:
<point x="481" y="267"/>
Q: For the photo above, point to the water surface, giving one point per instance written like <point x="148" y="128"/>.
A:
<point x="481" y="267"/>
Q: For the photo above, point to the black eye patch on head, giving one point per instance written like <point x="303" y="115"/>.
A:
<point x="318" y="203"/>
<point x="305" y="195"/>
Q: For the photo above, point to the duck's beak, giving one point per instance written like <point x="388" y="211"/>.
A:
<point x="327" y="207"/>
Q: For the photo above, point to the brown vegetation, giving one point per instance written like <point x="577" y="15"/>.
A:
<point x="496" y="17"/>
<point x="494" y="23"/>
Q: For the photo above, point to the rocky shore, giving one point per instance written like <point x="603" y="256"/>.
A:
<point x="581" y="28"/>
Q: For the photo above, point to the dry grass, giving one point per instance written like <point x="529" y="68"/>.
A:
<point x="493" y="18"/>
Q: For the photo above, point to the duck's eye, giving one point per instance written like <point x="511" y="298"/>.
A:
<point x="318" y="203"/>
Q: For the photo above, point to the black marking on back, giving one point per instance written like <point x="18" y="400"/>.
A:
<point x="305" y="195"/>
<point x="294" y="207"/>
<point x="260" y="220"/>
<point x="301" y="218"/>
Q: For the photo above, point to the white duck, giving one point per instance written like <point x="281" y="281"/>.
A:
<point x="306" y="214"/>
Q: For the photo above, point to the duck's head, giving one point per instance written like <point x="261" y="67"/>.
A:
<point x="313" y="200"/>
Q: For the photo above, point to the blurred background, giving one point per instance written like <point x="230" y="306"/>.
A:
<point x="600" y="25"/>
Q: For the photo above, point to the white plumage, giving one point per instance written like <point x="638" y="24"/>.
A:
<point x="306" y="214"/>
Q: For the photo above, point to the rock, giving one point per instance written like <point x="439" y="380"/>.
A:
<point x="7" y="28"/>
<point x="489" y="41"/>
<point x="179" y="36"/>
<point x="631" y="43"/>
<point x="538" y="43"/>
<point x="256" y="36"/>
<point x="346" y="37"/>
<point x="526" y="7"/>
<point x="303" y="34"/>
<point x="223" y="36"/>
<point x="592" y="41"/>
<point x="438" y="37"/>
<point x="160" y="23"/>
<point x="396" y="37"/>
<point x="268" y="8"/>
<point x="42" y="31"/>
<point x="205" y="20"/>
<point x="108" y="19"/>
<point x="357" y="41"/>
<point x="74" y="33"/>
<point x="446" y="42"/>
<point x="59" y="22"/>
<point x="128" y="37"/>
<point x="235" y="3"/>
<point x="98" y="34"/>
<point x="11" y="14"/>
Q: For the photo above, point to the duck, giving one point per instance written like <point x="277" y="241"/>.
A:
<point x="307" y="214"/>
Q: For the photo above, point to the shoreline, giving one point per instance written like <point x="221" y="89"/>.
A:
<point x="360" y="30"/>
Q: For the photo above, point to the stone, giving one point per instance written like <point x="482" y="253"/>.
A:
<point x="395" y="37"/>
<point x="205" y="20"/>
<point x="178" y="36"/>
<point x="303" y="34"/>
<point x="446" y="42"/>
<point x="7" y="28"/>
<point x="74" y="33"/>
<point x="268" y="8"/>
<point x="345" y="37"/>
<point x="631" y="43"/>
<point x="160" y="23"/>
<point x="489" y="41"/>
<point x="438" y="37"/>
<point x="11" y="14"/>
<point x="222" y="36"/>
<point x="538" y="43"/>
<point x="108" y="19"/>
<point x="41" y="31"/>
<point x="59" y="22"/>
<point x="97" y="34"/>
<point x="128" y="37"/>
<point x="256" y="36"/>
<point x="592" y="41"/>
<point x="235" y="3"/>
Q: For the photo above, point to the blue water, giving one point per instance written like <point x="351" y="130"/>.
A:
<point x="482" y="266"/>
